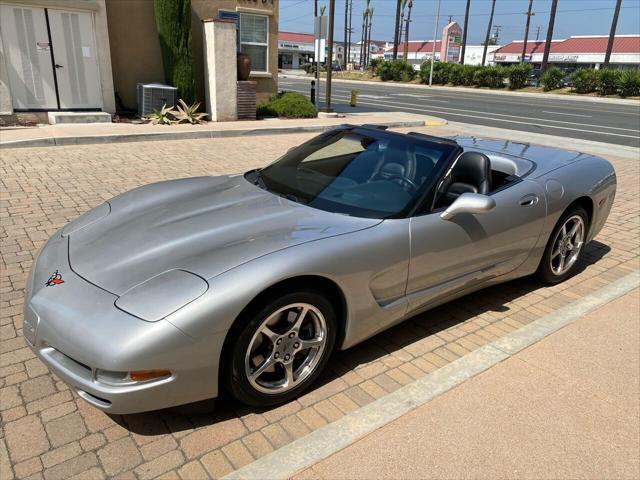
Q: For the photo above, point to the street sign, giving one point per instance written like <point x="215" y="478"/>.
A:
<point x="320" y="28"/>
<point x="320" y="50"/>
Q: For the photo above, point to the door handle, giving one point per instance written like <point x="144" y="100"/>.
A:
<point x="58" y="65"/>
<point x="530" y="200"/>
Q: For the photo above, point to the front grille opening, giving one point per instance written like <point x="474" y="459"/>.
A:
<point x="100" y="402"/>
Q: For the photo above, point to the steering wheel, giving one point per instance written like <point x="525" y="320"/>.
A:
<point x="407" y="181"/>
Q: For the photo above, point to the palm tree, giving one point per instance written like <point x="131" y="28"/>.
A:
<point x="612" y="34"/>
<point x="368" y="51"/>
<point x="486" y="41"/>
<point x="526" y="32"/>
<point x="464" y="31"/>
<point x="365" y="19"/>
<point x="406" y="32"/>
<point x="396" y="35"/>
<point x="547" y="44"/>
<point x="403" y="4"/>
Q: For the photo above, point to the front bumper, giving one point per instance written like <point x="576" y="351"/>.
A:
<point x="75" y="329"/>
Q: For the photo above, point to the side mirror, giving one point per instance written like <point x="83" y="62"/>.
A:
<point x="469" y="203"/>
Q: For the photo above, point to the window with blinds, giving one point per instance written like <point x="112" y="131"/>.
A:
<point x="254" y="40"/>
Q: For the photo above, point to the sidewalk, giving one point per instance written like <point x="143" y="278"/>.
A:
<point x="564" y="407"/>
<point x="82" y="134"/>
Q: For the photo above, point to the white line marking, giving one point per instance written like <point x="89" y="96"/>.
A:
<point x="562" y="113"/>
<point x="374" y="97"/>
<point x="435" y="109"/>
<point x="286" y="461"/>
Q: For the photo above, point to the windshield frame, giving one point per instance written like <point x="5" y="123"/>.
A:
<point x="449" y="147"/>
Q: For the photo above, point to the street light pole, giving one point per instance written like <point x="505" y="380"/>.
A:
<point x="435" y="36"/>
<point x="332" y="8"/>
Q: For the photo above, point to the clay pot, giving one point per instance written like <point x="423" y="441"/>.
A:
<point x="244" y="67"/>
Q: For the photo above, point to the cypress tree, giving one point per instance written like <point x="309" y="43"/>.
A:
<point x="173" y="22"/>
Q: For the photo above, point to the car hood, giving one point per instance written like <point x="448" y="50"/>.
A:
<point x="204" y="225"/>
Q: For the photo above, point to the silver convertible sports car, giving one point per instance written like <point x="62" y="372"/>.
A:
<point x="172" y="292"/>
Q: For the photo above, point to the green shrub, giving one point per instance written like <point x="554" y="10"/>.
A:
<point x="398" y="70"/>
<point x="629" y="83"/>
<point x="441" y="72"/>
<point x="287" y="105"/>
<point x="173" y="22"/>
<point x="585" y="80"/>
<point x="469" y="74"/>
<point x="492" y="77"/>
<point x="456" y="74"/>
<point x="374" y="64"/>
<point x="608" y="81"/>
<point x="518" y="75"/>
<point x="552" y="79"/>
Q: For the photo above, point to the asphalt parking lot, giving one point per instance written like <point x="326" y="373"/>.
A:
<point x="47" y="432"/>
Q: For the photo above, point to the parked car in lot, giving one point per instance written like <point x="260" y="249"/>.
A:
<point x="175" y="291"/>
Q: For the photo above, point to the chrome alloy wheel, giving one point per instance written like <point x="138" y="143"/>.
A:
<point x="286" y="348"/>
<point x="567" y="245"/>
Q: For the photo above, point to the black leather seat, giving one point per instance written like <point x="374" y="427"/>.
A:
<point x="470" y="174"/>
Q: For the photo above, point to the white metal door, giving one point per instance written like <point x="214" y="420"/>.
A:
<point x="28" y="51"/>
<point x="75" y="54"/>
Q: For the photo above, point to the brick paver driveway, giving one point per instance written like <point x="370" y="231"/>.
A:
<point x="48" y="432"/>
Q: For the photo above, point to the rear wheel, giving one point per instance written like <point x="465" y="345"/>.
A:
<point x="282" y="348"/>
<point x="564" y="247"/>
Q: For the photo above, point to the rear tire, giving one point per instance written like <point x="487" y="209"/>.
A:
<point x="565" y="247"/>
<point x="281" y="348"/>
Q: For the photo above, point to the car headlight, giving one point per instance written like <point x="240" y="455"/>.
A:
<point x="162" y="295"/>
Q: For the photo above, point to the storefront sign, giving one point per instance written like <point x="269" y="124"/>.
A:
<point x="563" y="58"/>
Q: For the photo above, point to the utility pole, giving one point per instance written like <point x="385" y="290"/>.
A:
<point x="486" y="41"/>
<point x="367" y="55"/>
<point x="406" y="33"/>
<point x="397" y="31"/>
<point x="529" y="14"/>
<point x="464" y="31"/>
<point x="403" y="3"/>
<point x="435" y="36"/>
<point x="346" y="35"/>
<point x="315" y="8"/>
<point x="496" y="34"/>
<point x="350" y="30"/>
<point x="332" y="11"/>
<point x="537" y="33"/>
<point x="547" y="45"/>
<point x="612" y="34"/>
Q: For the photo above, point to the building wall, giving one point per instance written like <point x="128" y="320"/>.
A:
<point x="135" y="52"/>
<point x="102" y="45"/>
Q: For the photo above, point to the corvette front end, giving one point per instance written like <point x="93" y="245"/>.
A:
<point x="112" y="359"/>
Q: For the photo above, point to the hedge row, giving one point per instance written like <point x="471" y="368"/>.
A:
<point x="625" y="83"/>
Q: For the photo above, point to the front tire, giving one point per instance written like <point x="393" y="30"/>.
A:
<point x="281" y="348"/>
<point x="565" y="247"/>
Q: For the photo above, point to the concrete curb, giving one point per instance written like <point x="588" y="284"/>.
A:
<point x="322" y="443"/>
<point x="208" y="134"/>
<point x="548" y="96"/>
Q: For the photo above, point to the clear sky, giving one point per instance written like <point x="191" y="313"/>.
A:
<point x="574" y="17"/>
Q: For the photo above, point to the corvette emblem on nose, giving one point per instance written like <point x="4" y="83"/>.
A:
<point x="55" y="279"/>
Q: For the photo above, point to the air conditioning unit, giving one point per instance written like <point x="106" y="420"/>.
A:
<point x="152" y="96"/>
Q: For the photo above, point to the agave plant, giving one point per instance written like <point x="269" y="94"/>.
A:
<point x="164" y="116"/>
<point x="189" y="113"/>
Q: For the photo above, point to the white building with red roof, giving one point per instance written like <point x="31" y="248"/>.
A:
<point x="575" y="52"/>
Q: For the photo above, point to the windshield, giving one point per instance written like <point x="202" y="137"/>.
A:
<point x="359" y="172"/>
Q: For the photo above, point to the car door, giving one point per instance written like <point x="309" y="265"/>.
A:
<point x="448" y="256"/>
